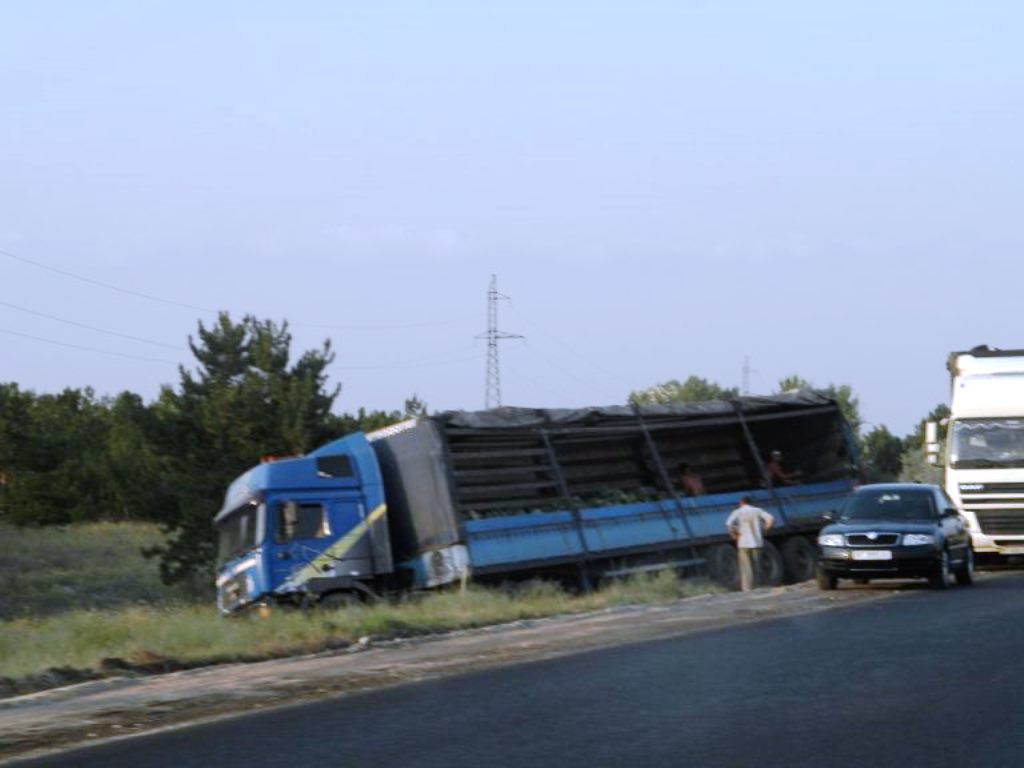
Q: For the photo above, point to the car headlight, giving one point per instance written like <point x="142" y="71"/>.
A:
<point x="917" y="539"/>
<point x="831" y="540"/>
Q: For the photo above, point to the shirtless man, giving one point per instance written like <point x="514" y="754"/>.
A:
<point x="776" y="474"/>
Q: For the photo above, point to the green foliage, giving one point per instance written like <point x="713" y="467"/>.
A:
<point x="693" y="390"/>
<point x="849" y="404"/>
<point x="881" y="455"/>
<point x="914" y="463"/>
<point x="54" y="465"/>
<point x="914" y="467"/>
<point x="244" y="402"/>
<point x="71" y="457"/>
<point x="938" y="414"/>
<point x="52" y="569"/>
<point x="414" y="408"/>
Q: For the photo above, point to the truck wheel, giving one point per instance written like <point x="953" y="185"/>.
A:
<point x="942" y="575"/>
<point x="825" y="579"/>
<point x="772" y="568"/>
<point x="965" y="573"/>
<point x="800" y="557"/>
<point x="723" y="566"/>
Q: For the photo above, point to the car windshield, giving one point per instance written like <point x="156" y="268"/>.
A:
<point x="980" y="443"/>
<point x="899" y="504"/>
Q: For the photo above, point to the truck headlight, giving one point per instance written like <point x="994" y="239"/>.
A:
<point x="831" y="540"/>
<point x="917" y="539"/>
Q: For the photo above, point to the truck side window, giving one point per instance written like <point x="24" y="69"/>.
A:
<point x="338" y="465"/>
<point x="301" y="521"/>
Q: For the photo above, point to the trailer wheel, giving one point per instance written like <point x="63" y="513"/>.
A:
<point x="771" y="566"/>
<point x="800" y="557"/>
<point x="723" y="566"/>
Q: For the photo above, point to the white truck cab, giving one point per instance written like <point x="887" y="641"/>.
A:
<point x="984" y="457"/>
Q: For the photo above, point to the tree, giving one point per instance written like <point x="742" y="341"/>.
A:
<point x="134" y="467"/>
<point x="53" y="467"/>
<point x="414" y="407"/>
<point x="915" y="466"/>
<point x="939" y="414"/>
<point x="694" y="390"/>
<point x="849" y="404"/>
<point x="881" y="453"/>
<point x="243" y="402"/>
<point x="15" y="420"/>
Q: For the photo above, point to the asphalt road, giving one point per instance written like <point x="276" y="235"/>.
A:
<point x="926" y="679"/>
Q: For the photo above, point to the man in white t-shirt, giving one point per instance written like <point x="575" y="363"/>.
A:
<point x="745" y="526"/>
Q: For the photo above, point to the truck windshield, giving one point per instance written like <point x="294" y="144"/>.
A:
<point x="980" y="443"/>
<point x="238" y="532"/>
<point x="902" y="504"/>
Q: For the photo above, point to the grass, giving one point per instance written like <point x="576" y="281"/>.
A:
<point x="82" y="601"/>
<point x="45" y="571"/>
<point x="191" y="635"/>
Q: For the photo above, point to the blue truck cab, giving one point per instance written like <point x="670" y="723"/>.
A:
<point x="310" y="525"/>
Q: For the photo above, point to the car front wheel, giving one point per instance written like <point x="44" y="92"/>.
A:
<point x="965" y="573"/>
<point x="825" y="579"/>
<point x="942" y="576"/>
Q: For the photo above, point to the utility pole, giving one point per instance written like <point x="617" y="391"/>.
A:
<point x="492" y="387"/>
<point x="747" y="370"/>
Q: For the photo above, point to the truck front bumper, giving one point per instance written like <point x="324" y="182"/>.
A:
<point x="1005" y="546"/>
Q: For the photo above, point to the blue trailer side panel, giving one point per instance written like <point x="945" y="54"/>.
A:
<point x="504" y="543"/>
<point x="501" y="541"/>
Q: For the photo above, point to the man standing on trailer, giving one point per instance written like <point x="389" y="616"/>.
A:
<point x="747" y="525"/>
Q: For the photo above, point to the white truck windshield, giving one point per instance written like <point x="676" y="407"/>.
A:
<point x="984" y="443"/>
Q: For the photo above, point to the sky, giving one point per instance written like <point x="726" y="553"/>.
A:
<point x="661" y="189"/>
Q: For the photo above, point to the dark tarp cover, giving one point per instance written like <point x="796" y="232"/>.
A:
<point x="421" y="508"/>
<point x="456" y="465"/>
<point x="511" y="417"/>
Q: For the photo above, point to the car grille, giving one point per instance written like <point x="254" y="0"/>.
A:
<point x="879" y="539"/>
<point x="1001" y="521"/>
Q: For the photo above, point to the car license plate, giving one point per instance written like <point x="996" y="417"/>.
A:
<point x="1012" y="550"/>
<point x="872" y="554"/>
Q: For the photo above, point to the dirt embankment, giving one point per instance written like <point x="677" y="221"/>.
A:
<point x="128" y="704"/>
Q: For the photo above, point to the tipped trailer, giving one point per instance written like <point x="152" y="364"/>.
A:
<point x="513" y="493"/>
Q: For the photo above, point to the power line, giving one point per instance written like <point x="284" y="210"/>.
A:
<point x="88" y="349"/>
<point x="543" y="386"/>
<point x="90" y="327"/>
<point x="558" y="367"/>
<point x="102" y="284"/>
<point x="207" y="310"/>
<point x="422" y="363"/>
<point x="572" y="349"/>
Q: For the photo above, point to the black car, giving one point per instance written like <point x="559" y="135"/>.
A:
<point x="896" y="530"/>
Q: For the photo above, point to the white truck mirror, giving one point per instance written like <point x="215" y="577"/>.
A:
<point x="931" y="442"/>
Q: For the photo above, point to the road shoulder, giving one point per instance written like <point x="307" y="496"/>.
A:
<point x="124" y="706"/>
